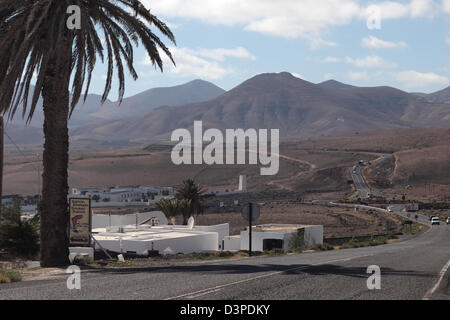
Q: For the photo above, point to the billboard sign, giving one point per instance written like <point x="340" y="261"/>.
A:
<point x="80" y="221"/>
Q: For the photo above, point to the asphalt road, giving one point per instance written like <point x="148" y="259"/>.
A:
<point x="409" y="270"/>
<point x="359" y="182"/>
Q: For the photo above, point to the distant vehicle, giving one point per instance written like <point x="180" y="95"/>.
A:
<point x="364" y="203"/>
<point x="435" y="220"/>
<point x="448" y="220"/>
<point x="361" y="161"/>
<point x="432" y="217"/>
<point x="369" y="163"/>
<point x="390" y="209"/>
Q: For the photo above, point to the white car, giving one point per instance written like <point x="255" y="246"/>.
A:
<point x="390" y="209"/>
<point x="435" y="220"/>
<point x="448" y="220"/>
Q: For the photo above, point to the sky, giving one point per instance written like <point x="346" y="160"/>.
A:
<point x="404" y="44"/>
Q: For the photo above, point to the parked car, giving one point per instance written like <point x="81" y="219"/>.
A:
<point x="432" y="217"/>
<point x="448" y="220"/>
<point x="390" y="209"/>
<point x="435" y="220"/>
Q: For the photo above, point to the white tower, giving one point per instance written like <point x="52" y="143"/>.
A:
<point x="243" y="183"/>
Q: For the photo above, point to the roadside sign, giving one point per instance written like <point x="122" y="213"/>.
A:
<point x="255" y="211"/>
<point x="80" y="221"/>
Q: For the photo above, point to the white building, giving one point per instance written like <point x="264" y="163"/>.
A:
<point x="274" y="236"/>
<point x="164" y="238"/>
<point x="144" y="232"/>
<point x="124" y="194"/>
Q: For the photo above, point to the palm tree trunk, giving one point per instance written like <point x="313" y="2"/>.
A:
<point x="53" y="206"/>
<point x="1" y="161"/>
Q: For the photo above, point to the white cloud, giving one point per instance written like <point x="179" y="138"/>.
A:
<point x="297" y="75"/>
<point x="376" y="43"/>
<point x="397" y="10"/>
<point x="202" y="63"/>
<point x="220" y="54"/>
<point x="417" y="79"/>
<point x="446" y="5"/>
<point x="331" y="59"/>
<point x="358" y="76"/>
<point x="370" y="62"/>
<point x="306" y="19"/>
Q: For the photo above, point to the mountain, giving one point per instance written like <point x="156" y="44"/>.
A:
<point x="441" y="96"/>
<point x="335" y="84"/>
<point x="22" y="135"/>
<point x="92" y="110"/>
<point x="191" y="92"/>
<point x="81" y="115"/>
<point x="281" y="101"/>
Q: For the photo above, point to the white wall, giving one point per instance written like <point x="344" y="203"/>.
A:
<point x="313" y="235"/>
<point x="232" y="243"/>
<point x="257" y="239"/>
<point x="223" y="231"/>
<point x="187" y="244"/>
<point x="102" y="220"/>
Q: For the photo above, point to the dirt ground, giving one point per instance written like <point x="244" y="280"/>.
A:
<point x="337" y="222"/>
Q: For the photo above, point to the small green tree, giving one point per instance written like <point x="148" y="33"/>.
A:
<point x="297" y="241"/>
<point x="18" y="237"/>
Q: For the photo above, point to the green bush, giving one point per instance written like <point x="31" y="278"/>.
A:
<point x="297" y="241"/>
<point x="321" y="247"/>
<point x="20" y="238"/>
<point x="354" y="243"/>
<point x="9" y="276"/>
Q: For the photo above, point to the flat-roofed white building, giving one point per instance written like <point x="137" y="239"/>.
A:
<point x="163" y="238"/>
<point x="274" y="236"/>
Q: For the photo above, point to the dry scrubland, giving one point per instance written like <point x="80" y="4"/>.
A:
<point x="337" y="222"/>
<point x="311" y="168"/>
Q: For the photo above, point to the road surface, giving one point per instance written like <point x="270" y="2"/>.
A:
<point x="360" y="183"/>
<point x="409" y="270"/>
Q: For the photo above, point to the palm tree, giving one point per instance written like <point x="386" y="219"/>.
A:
<point x="35" y="43"/>
<point x="193" y="192"/>
<point x="168" y="207"/>
<point x="174" y="207"/>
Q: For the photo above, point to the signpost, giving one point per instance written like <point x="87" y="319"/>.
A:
<point x="250" y="213"/>
<point x="80" y="221"/>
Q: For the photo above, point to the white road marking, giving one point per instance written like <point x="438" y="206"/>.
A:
<point x="203" y="294"/>
<point x="217" y="288"/>
<point x="430" y="292"/>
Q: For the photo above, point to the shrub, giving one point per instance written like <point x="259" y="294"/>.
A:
<point x="9" y="276"/>
<point x="322" y="247"/>
<point x="20" y="238"/>
<point x="297" y="241"/>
